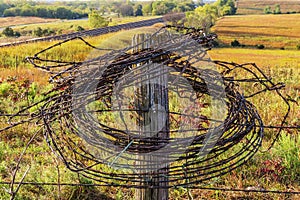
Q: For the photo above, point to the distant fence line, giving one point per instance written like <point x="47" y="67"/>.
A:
<point x="93" y="32"/>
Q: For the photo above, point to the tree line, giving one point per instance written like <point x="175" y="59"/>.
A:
<point x="44" y="11"/>
<point x="205" y="16"/>
<point x="193" y="13"/>
<point x="196" y="12"/>
<point x="79" y="9"/>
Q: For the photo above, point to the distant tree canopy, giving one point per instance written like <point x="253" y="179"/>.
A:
<point x="227" y="7"/>
<point x="59" y="12"/>
<point x="3" y="7"/>
<point x="79" y="9"/>
<point x="162" y="7"/>
<point x="205" y="16"/>
<point x="45" y="10"/>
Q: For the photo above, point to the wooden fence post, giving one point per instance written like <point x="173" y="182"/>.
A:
<point x="154" y="120"/>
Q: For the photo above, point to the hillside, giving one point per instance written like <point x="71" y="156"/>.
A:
<point x="272" y="31"/>
<point x="257" y="6"/>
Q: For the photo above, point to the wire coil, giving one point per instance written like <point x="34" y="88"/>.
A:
<point x="75" y="115"/>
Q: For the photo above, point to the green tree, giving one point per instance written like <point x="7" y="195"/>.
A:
<point x="3" y="7"/>
<point x="226" y="10"/>
<point x="63" y="13"/>
<point x="205" y="16"/>
<point x="96" y="20"/>
<point x="267" y="10"/>
<point x="8" y="32"/>
<point x="235" y="43"/>
<point x="9" y="13"/>
<point x="277" y="9"/>
<point x="41" y="12"/>
<point x="210" y="12"/>
<point x="27" y="11"/>
<point x="162" y="7"/>
<point x="139" y="10"/>
<point x="185" y="6"/>
<point x="227" y="7"/>
<point x="51" y="12"/>
<point x="38" y="32"/>
<point x="147" y="9"/>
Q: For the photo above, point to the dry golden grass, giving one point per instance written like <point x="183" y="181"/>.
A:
<point x="26" y="25"/>
<point x="273" y="31"/>
<point x="284" y="62"/>
<point x="31" y="74"/>
<point x="263" y="58"/>
<point x="281" y="65"/>
<point x="13" y="64"/>
<point x="13" y="21"/>
<point x="257" y="6"/>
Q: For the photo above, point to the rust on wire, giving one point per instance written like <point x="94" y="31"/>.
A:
<point x="240" y="133"/>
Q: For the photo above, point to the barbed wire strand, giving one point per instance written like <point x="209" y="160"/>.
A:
<point x="242" y="130"/>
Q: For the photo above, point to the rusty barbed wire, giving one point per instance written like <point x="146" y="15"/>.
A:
<point x="241" y="130"/>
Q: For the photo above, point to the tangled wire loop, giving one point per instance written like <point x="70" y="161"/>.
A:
<point x="93" y="117"/>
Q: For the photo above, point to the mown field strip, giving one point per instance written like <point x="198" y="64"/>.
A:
<point x="273" y="31"/>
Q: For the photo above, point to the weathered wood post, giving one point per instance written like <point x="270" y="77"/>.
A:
<point x="152" y="99"/>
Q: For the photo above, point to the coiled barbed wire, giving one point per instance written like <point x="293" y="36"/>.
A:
<point x="72" y="123"/>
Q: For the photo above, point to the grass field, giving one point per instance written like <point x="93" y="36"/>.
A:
<point x="257" y="6"/>
<point x="13" y="21"/>
<point x="281" y="65"/>
<point x="261" y="172"/>
<point x="70" y="25"/>
<point x="273" y="31"/>
<point x="60" y="26"/>
<point x="13" y="63"/>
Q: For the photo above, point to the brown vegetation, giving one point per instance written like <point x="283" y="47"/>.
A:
<point x="257" y="6"/>
<point x="273" y="31"/>
<point x="13" y="21"/>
